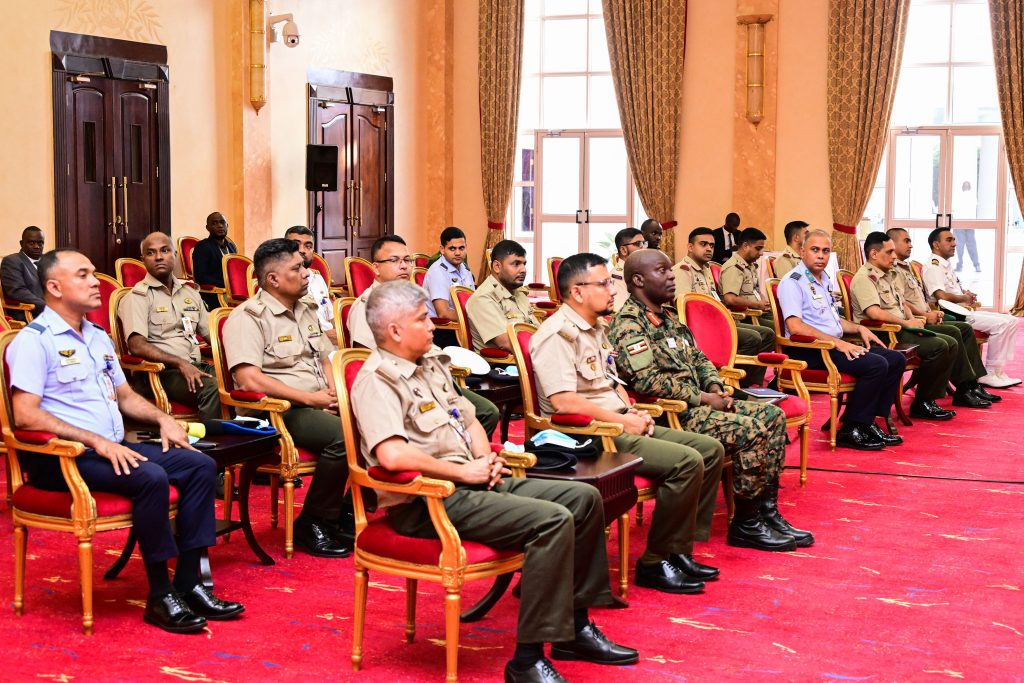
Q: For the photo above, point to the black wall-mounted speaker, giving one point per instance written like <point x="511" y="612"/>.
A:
<point x="321" y="168"/>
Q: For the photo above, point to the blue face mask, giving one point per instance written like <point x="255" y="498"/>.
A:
<point x="551" y="437"/>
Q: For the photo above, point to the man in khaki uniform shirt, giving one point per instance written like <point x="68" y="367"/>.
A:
<point x="275" y="346"/>
<point x="740" y="286"/>
<point x="411" y="418"/>
<point x="574" y="367"/>
<point x="500" y="300"/>
<point x="161" y="319"/>
<point x="795" y="232"/>
<point x="627" y="241"/>
<point x="391" y="261"/>
<point x="694" y="275"/>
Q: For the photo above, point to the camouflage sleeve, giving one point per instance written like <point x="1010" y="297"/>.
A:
<point x="706" y="370"/>
<point x="638" y="365"/>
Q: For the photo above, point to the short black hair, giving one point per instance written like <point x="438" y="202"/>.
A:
<point x="298" y="230"/>
<point x="379" y="243"/>
<point x="935" y="235"/>
<point x="874" y="242"/>
<point x="732" y="215"/>
<point x="792" y="228"/>
<point x="749" y="235"/>
<point x="650" y="222"/>
<point x="506" y="248"/>
<point x="697" y="232"/>
<point x="31" y="228"/>
<point x="269" y="253"/>
<point x="573" y="267"/>
<point x="625" y="235"/>
<point x="451" y="233"/>
<point x="48" y="261"/>
<point x="891" y="232"/>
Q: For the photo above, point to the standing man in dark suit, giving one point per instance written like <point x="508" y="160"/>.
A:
<point x="18" y="274"/>
<point x="726" y="238"/>
<point x="208" y="254"/>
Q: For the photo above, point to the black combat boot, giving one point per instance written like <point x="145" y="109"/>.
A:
<point x="748" y="530"/>
<point x="773" y="518"/>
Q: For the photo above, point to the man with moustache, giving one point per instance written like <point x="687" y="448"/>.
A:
<point x="319" y="291"/>
<point x="501" y="299"/>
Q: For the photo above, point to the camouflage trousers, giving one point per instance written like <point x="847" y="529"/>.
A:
<point x="755" y="437"/>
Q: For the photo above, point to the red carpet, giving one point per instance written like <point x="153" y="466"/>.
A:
<point x="914" y="576"/>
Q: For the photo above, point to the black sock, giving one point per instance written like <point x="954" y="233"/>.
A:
<point x="527" y="654"/>
<point x="186" y="575"/>
<point x="580" y="619"/>
<point x="159" y="581"/>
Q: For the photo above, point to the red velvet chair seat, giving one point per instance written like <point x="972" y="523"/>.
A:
<point x="487" y="352"/>
<point x="391" y="476"/>
<point x="306" y="456"/>
<point x="35" y="501"/>
<point x="571" y="420"/>
<point x="182" y="409"/>
<point x="380" y="539"/>
<point x="820" y="377"/>
<point x="642" y="482"/>
<point x="793" y="406"/>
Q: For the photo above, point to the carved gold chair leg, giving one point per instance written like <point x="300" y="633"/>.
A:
<point x="452" y="611"/>
<point x="640" y="513"/>
<point x="359" y="619"/>
<point x="85" y="568"/>
<point x="229" y="496"/>
<point x="274" y="479"/>
<point x="804" y="438"/>
<point x="901" y="411"/>
<point x="410" y="609"/>
<point x="833" y="426"/>
<point x="624" y="554"/>
<point x="20" y="544"/>
<point x="289" y="516"/>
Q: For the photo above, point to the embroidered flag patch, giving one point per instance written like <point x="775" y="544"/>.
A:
<point x="637" y="347"/>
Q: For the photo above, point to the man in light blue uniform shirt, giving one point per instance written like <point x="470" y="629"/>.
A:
<point x="447" y="271"/>
<point x="805" y="297"/>
<point x="66" y="380"/>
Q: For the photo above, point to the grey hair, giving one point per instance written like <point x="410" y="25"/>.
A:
<point x="392" y="301"/>
<point x="818" y="232"/>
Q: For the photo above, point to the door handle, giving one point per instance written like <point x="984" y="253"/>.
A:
<point x="124" y="187"/>
<point x="937" y="217"/>
<point x="588" y="215"/>
<point x="349" y="204"/>
<point x="949" y="221"/>
<point x="113" y="206"/>
<point x="359" y="214"/>
<point x="578" y="212"/>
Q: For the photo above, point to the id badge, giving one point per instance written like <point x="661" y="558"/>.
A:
<point x="189" y="328"/>
<point x="109" y="387"/>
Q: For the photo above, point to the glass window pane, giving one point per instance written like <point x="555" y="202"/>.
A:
<point x="602" y="238"/>
<point x="975" y="263"/>
<point x="972" y="33"/>
<point x="606" y="173"/>
<point x="565" y="45"/>
<point x="875" y="210"/>
<point x="520" y="216"/>
<point x="562" y="7"/>
<point x="975" y="98"/>
<point x="558" y="239"/>
<point x="1014" y="248"/>
<point x="1011" y="278"/>
<point x="927" y="34"/>
<point x="524" y="159"/>
<point x="595" y="7"/>
<point x="565" y="102"/>
<point x="639" y="213"/>
<point x="916" y="184"/>
<point x="599" y="46"/>
<point x="532" y="8"/>
<point x="921" y="96"/>
<point x="531" y="47"/>
<point x="561" y="176"/>
<point x="975" y="166"/>
<point x="604" y="110"/>
<point x="529" y="103"/>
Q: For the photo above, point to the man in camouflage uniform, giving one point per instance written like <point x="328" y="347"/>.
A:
<point x="657" y="355"/>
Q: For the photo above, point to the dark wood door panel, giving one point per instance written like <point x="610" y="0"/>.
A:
<point x="136" y="156"/>
<point x="369" y="153"/>
<point x="92" y="203"/>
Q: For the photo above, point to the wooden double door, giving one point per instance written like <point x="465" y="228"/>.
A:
<point x="354" y="112"/>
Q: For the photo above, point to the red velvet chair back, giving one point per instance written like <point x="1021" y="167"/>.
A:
<point x="185" y="246"/>
<point x="320" y="265"/>
<point x="421" y="260"/>
<point x="554" y="263"/>
<point x="343" y="307"/>
<point x="346" y="366"/>
<point x="360" y="275"/>
<point x="460" y="295"/>
<point x="845" y="280"/>
<point x="712" y="326"/>
<point x="129" y="271"/>
<point x="770" y="265"/>
<point x="773" y="297"/>
<point x="419" y="275"/>
<point x="236" y="277"/>
<point x="101" y="315"/>
<point x="116" y="329"/>
<point x="716" y="274"/>
<point x="218" y="317"/>
<point x="520" y="339"/>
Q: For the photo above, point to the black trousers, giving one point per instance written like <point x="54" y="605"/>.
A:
<point x="878" y="376"/>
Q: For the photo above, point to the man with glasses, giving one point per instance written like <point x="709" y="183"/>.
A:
<point x="391" y="261"/>
<point x="319" y="291"/>
<point x="446" y="271"/>
<point x="575" y="372"/>
<point x="501" y="299"/>
<point x="627" y="241"/>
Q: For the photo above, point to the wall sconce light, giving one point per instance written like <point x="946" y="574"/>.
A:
<point x="755" y="64"/>
<point x="257" y="54"/>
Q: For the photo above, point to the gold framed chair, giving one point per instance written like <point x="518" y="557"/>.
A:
<point x="129" y="271"/>
<point x="494" y="356"/>
<point x="359" y="275"/>
<point x="238" y="279"/>
<point x="11" y="306"/>
<point x="342" y="308"/>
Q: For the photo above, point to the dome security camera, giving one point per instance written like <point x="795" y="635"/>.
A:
<point x="289" y="33"/>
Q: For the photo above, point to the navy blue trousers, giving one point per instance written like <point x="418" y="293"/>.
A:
<point x="878" y="376"/>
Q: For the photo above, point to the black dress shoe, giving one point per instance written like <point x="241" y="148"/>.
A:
<point x="695" y="570"/>
<point x="203" y="602"/>
<point x="540" y="672"/>
<point x="858" y="438"/>
<point x="930" y="410"/>
<point x="315" y="539"/>
<point x="171" y="614"/>
<point x="663" y="576"/>
<point x="887" y="439"/>
<point x="591" y="645"/>
<point x="985" y="395"/>
<point x="968" y="399"/>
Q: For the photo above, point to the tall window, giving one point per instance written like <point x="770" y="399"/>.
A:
<point x="945" y="163"/>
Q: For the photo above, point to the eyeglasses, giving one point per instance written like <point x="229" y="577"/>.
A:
<point x="395" y="260"/>
<point x="607" y="283"/>
<point x="642" y="244"/>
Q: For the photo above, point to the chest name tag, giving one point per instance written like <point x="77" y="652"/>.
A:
<point x="427" y="406"/>
<point x="671" y="342"/>
<point x="161" y="309"/>
<point x="284" y="338"/>
<point x="71" y="360"/>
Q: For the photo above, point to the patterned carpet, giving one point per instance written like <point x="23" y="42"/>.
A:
<point x="916" y="575"/>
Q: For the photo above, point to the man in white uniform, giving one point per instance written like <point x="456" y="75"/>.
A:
<point x="318" y="290"/>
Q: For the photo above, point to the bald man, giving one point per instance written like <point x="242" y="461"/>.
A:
<point x="162" y="319"/>
<point x="18" y="274"/>
<point x="208" y="255"/>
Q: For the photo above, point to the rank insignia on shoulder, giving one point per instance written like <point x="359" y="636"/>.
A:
<point x="427" y="406"/>
<point x="284" y="338"/>
<point x="685" y="267"/>
<point x="655" y="320"/>
<point x="795" y="275"/>
<point x="935" y="261"/>
<point x="67" y="353"/>
<point x="637" y="347"/>
<point x="873" y="277"/>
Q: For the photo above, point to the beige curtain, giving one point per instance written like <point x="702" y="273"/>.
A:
<point x="1008" y="50"/>
<point x="645" y="44"/>
<point x="501" y="60"/>
<point x="865" y="51"/>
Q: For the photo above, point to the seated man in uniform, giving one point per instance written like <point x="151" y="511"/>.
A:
<point x="411" y="418"/>
<point x="653" y="232"/>
<point x="627" y="241"/>
<point x="910" y="288"/>
<point x="161" y="318"/>
<point x="66" y="380"/>
<point x="274" y="346"/>
<point x="574" y="368"/>
<point x="741" y="287"/>
<point x="874" y="295"/>
<point x="808" y="309"/>
<point x="319" y="291"/>
<point x="391" y="261"/>
<point x="18" y="275"/>
<point x="658" y="356"/>
<point x="208" y="255"/>
<point x="693" y="274"/>
<point x="941" y="282"/>
<point x="795" y="233"/>
<point x="450" y="269"/>
<point x="501" y="299"/>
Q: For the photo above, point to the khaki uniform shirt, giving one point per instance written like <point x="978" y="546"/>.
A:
<point x="286" y="344"/>
<point x="415" y="401"/>
<point x="618" y="276"/>
<point x="690" y="277"/>
<point x="871" y="286"/>
<point x="908" y="286"/>
<point x="786" y="261"/>
<point x="160" y="317"/>
<point x="359" y="331"/>
<point x="571" y="355"/>
<point x="740" y="278"/>
<point x="492" y="308"/>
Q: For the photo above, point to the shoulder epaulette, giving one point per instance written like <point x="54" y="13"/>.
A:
<point x="683" y="266"/>
<point x="254" y="307"/>
<point x="796" y="275"/>
<point x="140" y="288"/>
<point x="569" y="332"/>
<point x="388" y="371"/>
<point x="935" y="262"/>
<point x="36" y="327"/>
<point x="98" y="327"/>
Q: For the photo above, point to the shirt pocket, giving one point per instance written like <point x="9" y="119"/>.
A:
<point x="430" y="421"/>
<point x="284" y="354"/>
<point x="72" y="380"/>
<point x="590" y="367"/>
<point x="161" y="321"/>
